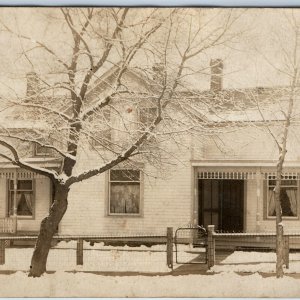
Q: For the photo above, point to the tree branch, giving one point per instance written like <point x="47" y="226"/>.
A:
<point x="17" y="161"/>
<point x="120" y="158"/>
<point x="42" y="45"/>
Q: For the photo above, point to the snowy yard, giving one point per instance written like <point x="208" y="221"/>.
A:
<point x="99" y="258"/>
<point x="221" y="281"/>
<point x="63" y="284"/>
<point x="241" y="261"/>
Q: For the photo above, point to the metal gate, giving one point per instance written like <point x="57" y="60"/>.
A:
<point x="191" y="245"/>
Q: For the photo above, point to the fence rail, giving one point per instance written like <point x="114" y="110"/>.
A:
<point x="167" y="240"/>
<point x="253" y="240"/>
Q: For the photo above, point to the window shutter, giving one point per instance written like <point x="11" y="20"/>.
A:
<point x="7" y="198"/>
<point x="265" y="199"/>
<point x="34" y="197"/>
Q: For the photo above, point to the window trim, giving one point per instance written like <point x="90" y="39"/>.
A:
<point x="140" y="109"/>
<point x="21" y="217"/>
<point x="97" y="145"/>
<point x="267" y="198"/>
<point x="106" y="130"/>
<point x="39" y="154"/>
<point x="141" y="203"/>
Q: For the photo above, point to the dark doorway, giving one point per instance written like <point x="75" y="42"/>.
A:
<point x="221" y="203"/>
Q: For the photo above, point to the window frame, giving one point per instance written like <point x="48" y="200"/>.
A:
<point x="10" y="191"/>
<point x="268" y="190"/>
<point x="140" y="115"/>
<point x="48" y="151"/>
<point x="107" y="132"/>
<point x="141" y="200"/>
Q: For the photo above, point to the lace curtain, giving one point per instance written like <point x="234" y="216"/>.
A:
<point x="24" y="204"/>
<point x="124" y="198"/>
<point x="288" y="199"/>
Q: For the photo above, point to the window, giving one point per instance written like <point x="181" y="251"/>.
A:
<point x="41" y="151"/>
<point x="124" y="192"/>
<point x="102" y="130"/>
<point x="24" y="198"/>
<point x="288" y="196"/>
<point x="147" y="115"/>
<point x="102" y="138"/>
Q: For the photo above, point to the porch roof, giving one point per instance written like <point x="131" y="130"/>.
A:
<point x="8" y="170"/>
<point x="239" y="170"/>
<point x="244" y="164"/>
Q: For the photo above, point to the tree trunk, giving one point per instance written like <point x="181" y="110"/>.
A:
<point x="279" y="251"/>
<point x="47" y="230"/>
<point x="279" y="228"/>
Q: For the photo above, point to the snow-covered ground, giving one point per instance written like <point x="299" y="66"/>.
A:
<point x="100" y="258"/>
<point x="222" y="281"/>
<point x="241" y="261"/>
<point x="61" y="284"/>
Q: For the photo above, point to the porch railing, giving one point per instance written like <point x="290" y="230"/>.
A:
<point x="252" y="240"/>
<point x="8" y="225"/>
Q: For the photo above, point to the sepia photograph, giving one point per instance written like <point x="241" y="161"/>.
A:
<point x="149" y="152"/>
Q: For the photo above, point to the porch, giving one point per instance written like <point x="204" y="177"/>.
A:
<point x="240" y="198"/>
<point x="25" y="199"/>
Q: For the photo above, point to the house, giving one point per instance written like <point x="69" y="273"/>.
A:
<point x="225" y="178"/>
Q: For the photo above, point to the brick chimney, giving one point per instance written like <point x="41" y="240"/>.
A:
<point x="32" y="85"/>
<point x="216" y="80"/>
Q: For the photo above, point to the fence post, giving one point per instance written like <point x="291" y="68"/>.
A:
<point x="210" y="246"/>
<point x="79" y="252"/>
<point x="170" y="247"/>
<point x="2" y="252"/>
<point x="286" y="257"/>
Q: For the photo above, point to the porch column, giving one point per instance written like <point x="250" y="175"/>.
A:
<point x="258" y="197"/>
<point x="15" y="207"/>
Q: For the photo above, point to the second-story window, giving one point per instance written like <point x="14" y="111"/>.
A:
<point x="147" y="115"/>
<point x="101" y="132"/>
<point x="40" y="150"/>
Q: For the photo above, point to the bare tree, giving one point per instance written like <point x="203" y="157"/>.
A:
<point x="283" y="99"/>
<point x="89" y="83"/>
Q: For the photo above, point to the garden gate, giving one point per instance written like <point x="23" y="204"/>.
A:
<point x="191" y="245"/>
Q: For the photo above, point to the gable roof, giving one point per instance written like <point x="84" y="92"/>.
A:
<point x="229" y="105"/>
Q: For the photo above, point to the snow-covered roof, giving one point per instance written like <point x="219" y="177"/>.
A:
<point x="229" y="105"/>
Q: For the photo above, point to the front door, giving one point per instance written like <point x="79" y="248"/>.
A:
<point x="221" y="203"/>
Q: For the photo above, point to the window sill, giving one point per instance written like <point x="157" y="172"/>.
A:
<point x="23" y="217"/>
<point x="284" y="218"/>
<point x="125" y="215"/>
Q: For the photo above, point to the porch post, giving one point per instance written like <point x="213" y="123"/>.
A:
<point x="286" y="251"/>
<point x="210" y="246"/>
<point x="2" y="252"/>
<point x="15" y="207"/>
<point x="79" y="252"/>
<point x="170" y="247"/>
<point x="258" y="197"/>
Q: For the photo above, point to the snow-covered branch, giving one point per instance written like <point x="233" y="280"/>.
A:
<point x="22" y="164"/>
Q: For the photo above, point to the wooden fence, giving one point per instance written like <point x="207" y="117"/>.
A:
<point x="166" y="239"/>
<point x="246" y="239"/>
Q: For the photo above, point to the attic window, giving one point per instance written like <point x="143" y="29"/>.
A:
<point x="147" y="115"/>
<point x="101" y="135"/>
<point x="101" y="138"/>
